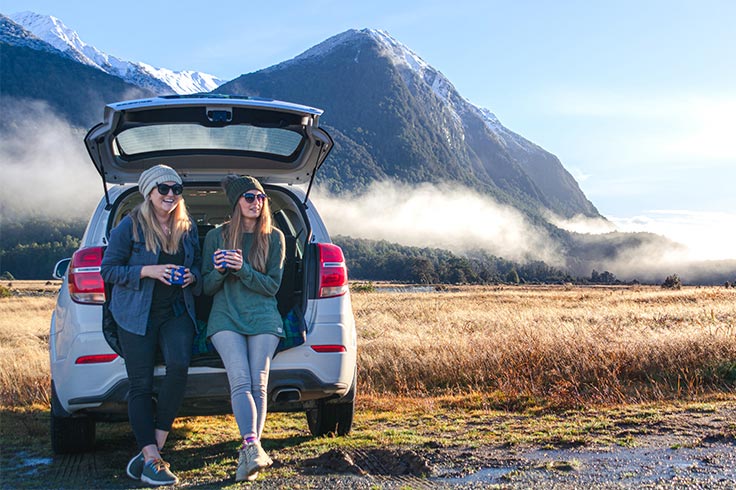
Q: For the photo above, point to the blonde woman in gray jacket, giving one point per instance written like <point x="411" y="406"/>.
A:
<point x="152" y="260"/>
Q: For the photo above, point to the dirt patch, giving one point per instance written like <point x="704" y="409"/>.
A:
<point x="690" y="449"/>
<point x="655" y="462"/>
<point x="635" y="447"/>
<point x="378" y="462"/>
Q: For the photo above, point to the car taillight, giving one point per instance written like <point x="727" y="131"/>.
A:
<point x="85" y="282"/>
<point x="96" y="358"/>
<point x="333" y="274"/>
<point x="328" y="348"/>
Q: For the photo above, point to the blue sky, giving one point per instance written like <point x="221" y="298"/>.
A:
<point x="636" y="98"/>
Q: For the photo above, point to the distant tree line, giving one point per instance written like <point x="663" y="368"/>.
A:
<point x="379" y="260"/>
<point x="29" y="249"/>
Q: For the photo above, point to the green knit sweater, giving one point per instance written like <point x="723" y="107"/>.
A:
<point x="245" y="300"/>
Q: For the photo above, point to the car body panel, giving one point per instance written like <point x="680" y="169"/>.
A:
<point x="209" y="147"/>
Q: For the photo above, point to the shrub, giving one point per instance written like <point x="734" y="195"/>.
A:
<point x="513" y="277"/>
<point x="672" y="282"/>
<point x="4" y="292"/>
<point x="363" y="287"/>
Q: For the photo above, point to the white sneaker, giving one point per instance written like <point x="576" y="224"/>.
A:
<point x="251" y="459"/>
<point x="263" y="460"/>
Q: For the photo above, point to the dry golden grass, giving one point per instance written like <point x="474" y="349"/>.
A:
<point x="510" y="347"/>
<point x="24" y="355"/>
<point x="557" y="345"/>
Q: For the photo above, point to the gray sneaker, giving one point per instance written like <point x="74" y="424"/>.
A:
<point x="246" y="466"/>
<point x="135" y="466"/>
<point x="263" y="460"/>
<point x="156" y="472"/>
<point x="252" y="458"/>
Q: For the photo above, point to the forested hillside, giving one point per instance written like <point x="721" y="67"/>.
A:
<point x="29" y="249"/>
<point x="379" y="260"/>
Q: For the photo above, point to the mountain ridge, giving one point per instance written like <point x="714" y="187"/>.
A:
<point x="459" y="141"/>
<point x="159" y="80"/>
<point x="393" y="117"/>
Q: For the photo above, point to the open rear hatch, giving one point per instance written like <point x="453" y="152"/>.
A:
<point x="205" y="137"/>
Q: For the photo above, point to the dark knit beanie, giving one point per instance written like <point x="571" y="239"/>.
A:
<point x="235" y="186"/>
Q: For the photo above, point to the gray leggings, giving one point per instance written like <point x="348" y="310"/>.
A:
<point x="247" y="359"/>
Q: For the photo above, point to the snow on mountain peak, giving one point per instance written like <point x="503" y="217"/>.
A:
<point x="412" y="68"/>
<point x="443" y="88"/>
<point x="161" y="80"/>
<point x="400" y="52"/>
<point x="40" y="24"/>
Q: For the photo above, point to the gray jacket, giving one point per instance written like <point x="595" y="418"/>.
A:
<point x="121" y="266"/>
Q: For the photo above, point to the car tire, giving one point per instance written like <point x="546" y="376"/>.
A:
<point x="333" y="418"/>
<point x="70" y="434"/>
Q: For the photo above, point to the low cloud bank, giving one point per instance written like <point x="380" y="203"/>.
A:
<point x="647" y="248"/>
<point x="581" y="224"/>
<point x="437" y="216"/>
<point x="707" y="235"/>
<point x="694" y="244"/>
<point x="45" y="168"/>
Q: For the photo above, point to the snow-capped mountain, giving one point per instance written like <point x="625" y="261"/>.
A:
<point x="396" y="116"/>
<point x="159" y="80"/>
<point x="12" y="33"/>
<point x="402" y="56"/>
<point x="413" y="67"/>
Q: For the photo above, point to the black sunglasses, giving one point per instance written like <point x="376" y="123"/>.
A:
<point x="164" y="189"/>
<point x="250" y="197"/>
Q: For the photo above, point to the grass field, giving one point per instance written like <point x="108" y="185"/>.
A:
<point x="488" y="368"/>
<point x="514" y="346"/>
<point x="550" y="345"/>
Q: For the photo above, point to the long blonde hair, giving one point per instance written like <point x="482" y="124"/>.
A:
<point x="232" y="235"/>
<point x="156" y="238"/>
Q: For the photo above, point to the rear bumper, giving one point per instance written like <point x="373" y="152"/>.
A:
<point x="209" y="394"/>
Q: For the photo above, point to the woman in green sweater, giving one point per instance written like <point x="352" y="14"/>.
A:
<point x="244" y="325"/>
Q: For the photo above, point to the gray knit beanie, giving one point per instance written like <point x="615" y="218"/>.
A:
<point x="157" y="174"/>
<point x="235" y="186"/>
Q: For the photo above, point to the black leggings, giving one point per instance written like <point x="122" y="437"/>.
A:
<point x="174" y="336"/>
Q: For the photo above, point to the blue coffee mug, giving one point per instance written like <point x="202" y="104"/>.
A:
<point x="223" y="252"/>
<point x="178" y="280"/>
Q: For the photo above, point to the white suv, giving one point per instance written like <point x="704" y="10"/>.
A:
<point x="205" y="137"/>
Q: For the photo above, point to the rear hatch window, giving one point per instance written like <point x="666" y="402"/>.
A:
<point x="174" y="137"/>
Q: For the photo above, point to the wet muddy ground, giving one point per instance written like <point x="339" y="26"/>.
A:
<point x="657" y="461"/>
<point x="710" y="464"/>
<point x="682" y="449"/>
<point x="687" y="450"/>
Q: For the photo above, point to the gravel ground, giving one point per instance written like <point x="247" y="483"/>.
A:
<point x="689" y="450"/>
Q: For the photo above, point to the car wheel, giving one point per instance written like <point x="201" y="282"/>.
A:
<point x="327" y="418"/>
<point x="70" y="434"/>
<point x="333" y="418"/>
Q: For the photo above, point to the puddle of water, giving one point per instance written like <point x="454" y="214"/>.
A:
<point x="628" y="466"/>
<point x="635" y="465"/>
<point x="28" y="465"/>
<point x="37" y="461"/>
<point x="484" y="475"/>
